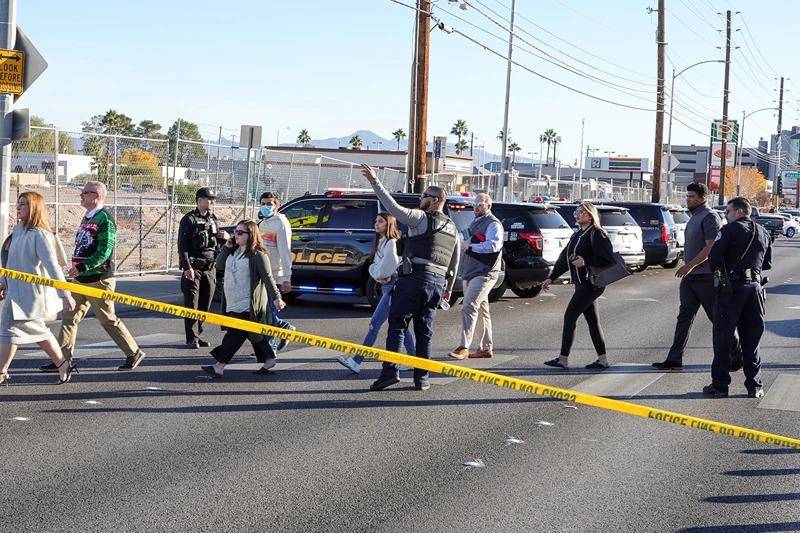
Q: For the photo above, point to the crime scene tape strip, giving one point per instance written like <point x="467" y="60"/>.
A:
<point x="425" y="364"/>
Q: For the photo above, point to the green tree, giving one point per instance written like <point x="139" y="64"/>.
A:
<point x="513" y="148"/>
<point x="42" y="141"/>
<point x="111" y="123"/>
<point x="549" y="137"/>
<point x="304" y="138"/>
<point x="460" y="130"/>
<point x="150" y="132"/>
<point x="355" y="141"/>
<point x="139" y="163"/>
<point x="500" y="135"/>
<point x="187" y="151"/>
<point x="399" y="135"/>
<point x="462" y="146"/>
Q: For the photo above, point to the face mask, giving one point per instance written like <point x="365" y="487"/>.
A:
<point x="266" y="211"/>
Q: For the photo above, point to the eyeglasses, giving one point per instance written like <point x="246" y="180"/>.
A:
<point x="239" y="233"/>
<point x="426" y="195"/>
<point x="88" y="192"/>
<point x="478" y="204"/>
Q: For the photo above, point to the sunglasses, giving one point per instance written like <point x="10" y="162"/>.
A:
<point x="88" y="192"/>
<point x="579" y="212"/>
<point x="478" y="204"/>
<point x="426" y="195"/>
<point x="239" y="232"/>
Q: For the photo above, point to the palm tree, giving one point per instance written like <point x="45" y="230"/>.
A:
<point x="399" y="135"/>
<point x="355" y="141"/>
<point x="460" y="130"/>
<point x="304" y="138"/>
<point x="549" y="136"/>
<point x="513" y="148"/>
<point x="461" y="146"/>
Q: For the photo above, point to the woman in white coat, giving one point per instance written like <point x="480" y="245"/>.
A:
<point x="30" y="249"/>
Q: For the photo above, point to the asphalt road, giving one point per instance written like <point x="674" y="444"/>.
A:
<point x="311" y="449"/>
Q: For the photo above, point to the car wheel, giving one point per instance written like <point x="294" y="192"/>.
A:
<point x="530" y="292"/>
<point x="671" y="264"/>
<point x="496" y="294"/>
<point x="374" y="292"/>
<point x="790" y="232"/>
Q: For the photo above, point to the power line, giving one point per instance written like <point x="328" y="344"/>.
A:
<point x="690" y="28"/>
<point x="602" y="23"/>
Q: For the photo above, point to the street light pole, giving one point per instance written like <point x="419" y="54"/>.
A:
<point x="741" y="145"/>
<point x="671" y="102"/>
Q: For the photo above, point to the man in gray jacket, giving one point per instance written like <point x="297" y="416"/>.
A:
<point x="479" y="270"/>
<point x="426" y="275"/>
<point x="697" y="282"/>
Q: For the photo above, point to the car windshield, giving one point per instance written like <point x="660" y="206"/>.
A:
<point x="681" y="217"/>
<point x="616" y="219"/>
<point x="646" y="215"/>
<point x="548" y="218"/>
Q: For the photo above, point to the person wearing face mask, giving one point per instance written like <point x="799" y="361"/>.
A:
<point x="276" y="236"/>
<point x="199" y="240"/>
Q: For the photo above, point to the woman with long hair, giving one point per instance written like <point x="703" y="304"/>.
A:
<point x="385" y="260"/>
<point x="30" y="248"/>
<point x="589" y="246"/>
<point x="248" y="289"/>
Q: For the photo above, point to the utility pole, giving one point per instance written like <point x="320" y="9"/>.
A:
<point x="580" y="168"/>
<point x="8" y="38"/>
<point x="417" y="140"/>
<point x="506" y="140"/>
<point x="725" y="126"/>
<point x="777" y="177"/>
<point x="659" y="143"/>
<point x="471" y="142"/>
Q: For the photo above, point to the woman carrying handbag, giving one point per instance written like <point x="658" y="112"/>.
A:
<point x="249" y="286"/>
<point x="589" y="246"/>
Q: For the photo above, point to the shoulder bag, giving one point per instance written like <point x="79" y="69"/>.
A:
<point x="602" y="276"/>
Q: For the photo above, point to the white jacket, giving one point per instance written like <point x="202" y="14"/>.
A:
<point x="276" y="235"/>
<point x="386" y="259"/>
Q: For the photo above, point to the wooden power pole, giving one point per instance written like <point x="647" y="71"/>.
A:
<point x="725" y="126"/>
<point x="419" y="117"/>
<point x="659" y="144"/>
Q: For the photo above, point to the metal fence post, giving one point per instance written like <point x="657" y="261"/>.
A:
<point x="141" y="244"/>
<point x="55" y="170"/>
<point x="116" y="219"/>
<point x="289" y="179"/>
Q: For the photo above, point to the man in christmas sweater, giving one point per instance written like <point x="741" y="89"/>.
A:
<point x="93" y="266"/>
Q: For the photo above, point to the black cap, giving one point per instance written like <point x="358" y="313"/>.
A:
<point x="205" y="192"/>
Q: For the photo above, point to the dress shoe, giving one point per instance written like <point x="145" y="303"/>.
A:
<point x="712" y="390"/>
<point x="758" y="392"/>
<point x="668" y="365"/>
<point x="459" y="353"/>
<point x="383" y="382"/>
<point x="203" y="344"/>
<point x="480" y="354"/>
<point x="737" y="364"/>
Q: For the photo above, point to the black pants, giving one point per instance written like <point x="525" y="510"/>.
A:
<point x="695" y="292"/>
<point x="742" y="311"/>
<point x="583" y="302"/>
<point x="233" y="340"/>
<point x="197" y="294"/>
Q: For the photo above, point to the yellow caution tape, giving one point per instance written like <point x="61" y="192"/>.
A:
<point x="425" y="364"/>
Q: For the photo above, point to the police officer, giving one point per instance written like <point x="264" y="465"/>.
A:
<point x="741" y="251"/>
<point x="199" y="239"/>
<point x="427" y="273"/>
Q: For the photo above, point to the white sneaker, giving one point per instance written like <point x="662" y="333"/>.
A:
<point x="348" y="362"/>
<point x="403" y="368"/>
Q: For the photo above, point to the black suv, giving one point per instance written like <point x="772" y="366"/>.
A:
<point x="772" y="223"/>
<point x="659" y="234"/>
<point x="333" y="235"/>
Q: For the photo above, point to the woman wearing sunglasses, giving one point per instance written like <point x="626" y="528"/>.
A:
<point x="590" y="246"/>
<point x="385" y="260"/>
<point x="249" y="286"/>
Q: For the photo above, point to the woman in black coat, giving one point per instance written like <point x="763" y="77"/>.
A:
<point x="590" y="246"/>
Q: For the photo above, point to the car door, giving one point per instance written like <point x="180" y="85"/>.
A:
<point x="304" y="217"/>
<point x="344" y="243"/>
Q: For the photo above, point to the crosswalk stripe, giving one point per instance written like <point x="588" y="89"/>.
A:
<point x="290" y="359"/>
<point x="476" y="364"/>
<point x="109" y="346"/>
<point x="621" y="380"/>
<point x="784" y="394"/>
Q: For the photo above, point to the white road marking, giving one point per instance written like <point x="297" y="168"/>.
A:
<point x="621" y="380"/>
<point x="109" y="346"/>
<point x="476" y="364"/>
<point x="642" y="300"/>
<point x="784" y="394"/>
<point x="291" y="359"/>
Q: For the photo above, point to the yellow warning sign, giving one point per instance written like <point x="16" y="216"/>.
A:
<point x="12" y="63"/>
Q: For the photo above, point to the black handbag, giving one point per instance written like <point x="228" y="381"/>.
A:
<point x="602" y="276"/>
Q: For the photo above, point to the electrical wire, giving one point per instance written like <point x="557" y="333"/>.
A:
<point x="602" y="23"/>
<point x="689" y="27"/>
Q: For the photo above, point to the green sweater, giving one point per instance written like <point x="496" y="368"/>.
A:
<point x="94" y="247"/>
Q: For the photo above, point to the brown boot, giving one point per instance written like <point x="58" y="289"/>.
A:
<point x="459" y="353"/>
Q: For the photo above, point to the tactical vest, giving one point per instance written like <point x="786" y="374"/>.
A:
<point x="435" y="246"/>
<point x="203" y="238"/>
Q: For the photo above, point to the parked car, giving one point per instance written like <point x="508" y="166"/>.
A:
<point x="126" y="188"/>
<point x="791" y="227"/>
<point x="332" y="238"/>
<point x="681" y="217"/>
<point x="624" y="233"/>
<point x="659" y="234"/>
<point x="772" y="222"/>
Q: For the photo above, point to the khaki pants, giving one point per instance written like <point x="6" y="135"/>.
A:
<point x="104" y="311"/>
<point x="475" y="309"/>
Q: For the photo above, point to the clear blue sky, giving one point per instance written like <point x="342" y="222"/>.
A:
<point x="334" y="67"/>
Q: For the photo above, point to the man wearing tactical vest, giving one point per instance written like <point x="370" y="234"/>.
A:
<point x="428" y="267"/>
<point x="199" y="239"/>
<point x="480" y="267"/>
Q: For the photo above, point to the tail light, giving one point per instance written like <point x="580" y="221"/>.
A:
<point x="536" y="240"/>
<point x="664" y="233"/>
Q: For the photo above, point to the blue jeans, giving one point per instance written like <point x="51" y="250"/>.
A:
<point x="380" y="316"/>
<point x="278" y="323"/>
<point x="416" y="297"/>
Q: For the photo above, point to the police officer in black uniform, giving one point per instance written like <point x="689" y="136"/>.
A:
<point x="199" y="239"/>
<point x="427" y="273"/>
<point x="741" y="251"/>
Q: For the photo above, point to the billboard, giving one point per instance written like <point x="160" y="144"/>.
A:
<point x="713" y="184"/>
<point x="716" y="154"/>
<point x="618" y="164"/>
<point x="729" y="132"/>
